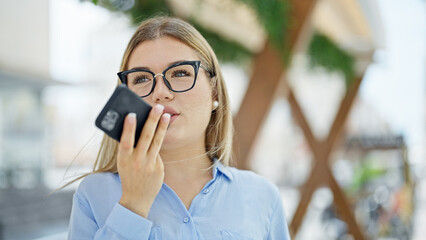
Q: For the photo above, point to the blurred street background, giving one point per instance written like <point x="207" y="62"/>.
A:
<point x="58" y="65"/>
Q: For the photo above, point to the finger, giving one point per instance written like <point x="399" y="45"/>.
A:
<point x="148" y="129"/>
<point x="127" y="139"/>
<point x="156" y="143"/>
<point x="159" y="159"/>
<point x="159" y="163"/>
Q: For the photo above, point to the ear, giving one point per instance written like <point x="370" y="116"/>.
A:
<point x="215" y="101"/>
<point x="215" y="105"/>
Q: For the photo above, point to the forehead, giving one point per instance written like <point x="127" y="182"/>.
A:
<point x="159" y="53"/>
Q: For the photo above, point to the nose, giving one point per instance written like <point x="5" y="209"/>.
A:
<point x="161" y="92"/>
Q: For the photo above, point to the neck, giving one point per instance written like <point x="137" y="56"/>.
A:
<point x="186" y="164"/>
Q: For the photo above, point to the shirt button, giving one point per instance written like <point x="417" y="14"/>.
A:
<point x="186" y="220"/>
<point x="205" y="191"/>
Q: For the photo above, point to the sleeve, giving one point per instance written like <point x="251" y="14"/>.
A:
<point x="278" y="228"/>
<point x="120" y="224"/>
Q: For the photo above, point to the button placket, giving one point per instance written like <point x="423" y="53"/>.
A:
<point x="205" y="191"/>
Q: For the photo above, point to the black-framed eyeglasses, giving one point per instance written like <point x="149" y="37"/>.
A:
<point x="179" y="77"/>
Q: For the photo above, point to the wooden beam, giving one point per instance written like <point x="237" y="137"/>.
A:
<point x="256" y="103"/>
<point x="321" y="173"/>
<point x="314" y="181"/>
<point x="267" y="71"/>
<point x="300" y="118"/>
<point x="343" y="206"/>
<point x="343" y="113"/>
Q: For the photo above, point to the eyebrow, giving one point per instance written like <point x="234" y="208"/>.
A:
<point x="147" y="68"/>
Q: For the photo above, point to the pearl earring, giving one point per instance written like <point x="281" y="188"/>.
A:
<point x="215" y="105"/>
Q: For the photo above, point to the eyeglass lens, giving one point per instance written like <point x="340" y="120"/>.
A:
<point x="180" y="78"/>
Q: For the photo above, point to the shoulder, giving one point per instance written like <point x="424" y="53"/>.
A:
<point x="98" y="183"/>
<point x="250" y="178"/>
<point x="253" y="182"/>
<point x="97" y="195"/>
<point x="96" y="180"/>
<point x="255" y="193"/>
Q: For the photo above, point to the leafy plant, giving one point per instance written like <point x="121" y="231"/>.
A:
<point x="272" y="14"/>
<point x="325" y="53"/>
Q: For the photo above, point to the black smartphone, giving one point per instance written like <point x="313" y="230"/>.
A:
<point x="122" y="102"/>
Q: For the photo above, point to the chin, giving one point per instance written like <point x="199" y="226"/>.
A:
<point x="170" y="145"/>
<point x="170" y="139"/>
<point x="175" y="140"/>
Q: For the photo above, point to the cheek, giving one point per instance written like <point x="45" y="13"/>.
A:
<point x="199" y="103"/>
<point x="198" y="107"/>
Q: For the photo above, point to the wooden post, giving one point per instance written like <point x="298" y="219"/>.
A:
<point x="267" y="74"/>
<point x="321" y="173"/>
<point x="267" y="71"/>
<point x="256" y="103"/>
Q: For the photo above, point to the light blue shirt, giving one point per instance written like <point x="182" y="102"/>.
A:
<point x="235" y="204"/>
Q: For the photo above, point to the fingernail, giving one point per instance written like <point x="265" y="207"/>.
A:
<point x="131" y="117"/>
<point x="159" y="108"/>
<point x="166" y="117"/>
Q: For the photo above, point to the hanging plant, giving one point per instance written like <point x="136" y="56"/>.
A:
<point x="325" y="53"/>
<point x="274" y="17"/>
<point x="272" y="14"/>
<point x="226" y="50"/>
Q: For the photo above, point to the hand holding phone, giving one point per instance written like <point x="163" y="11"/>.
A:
<point x="122" y="102"/>
<point x="141" y="168"/>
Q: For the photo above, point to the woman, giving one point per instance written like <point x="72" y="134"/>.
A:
<point x="176" y="183"/>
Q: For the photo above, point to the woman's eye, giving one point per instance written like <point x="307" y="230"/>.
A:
<point x="181" y="73"/>
<point x="142" y="79"/>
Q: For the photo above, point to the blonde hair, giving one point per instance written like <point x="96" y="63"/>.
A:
<point x="219" y="131"/>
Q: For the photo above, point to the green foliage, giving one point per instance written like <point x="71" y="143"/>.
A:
<point x="272" y="14"/>
<point x="324" y="53"/>
<point x="144" y="9"/>
<point x="368" y="171"/>
<point x="226" y="50"/>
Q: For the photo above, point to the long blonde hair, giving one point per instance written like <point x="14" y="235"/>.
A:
<point x="219" y="131"/>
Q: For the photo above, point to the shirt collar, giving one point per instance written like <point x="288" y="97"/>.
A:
<point x="218" y="167"/>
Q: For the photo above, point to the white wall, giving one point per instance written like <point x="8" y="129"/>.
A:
<point x="24" y="37"/>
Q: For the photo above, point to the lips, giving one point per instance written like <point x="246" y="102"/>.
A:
<point x="173" y="113"/>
